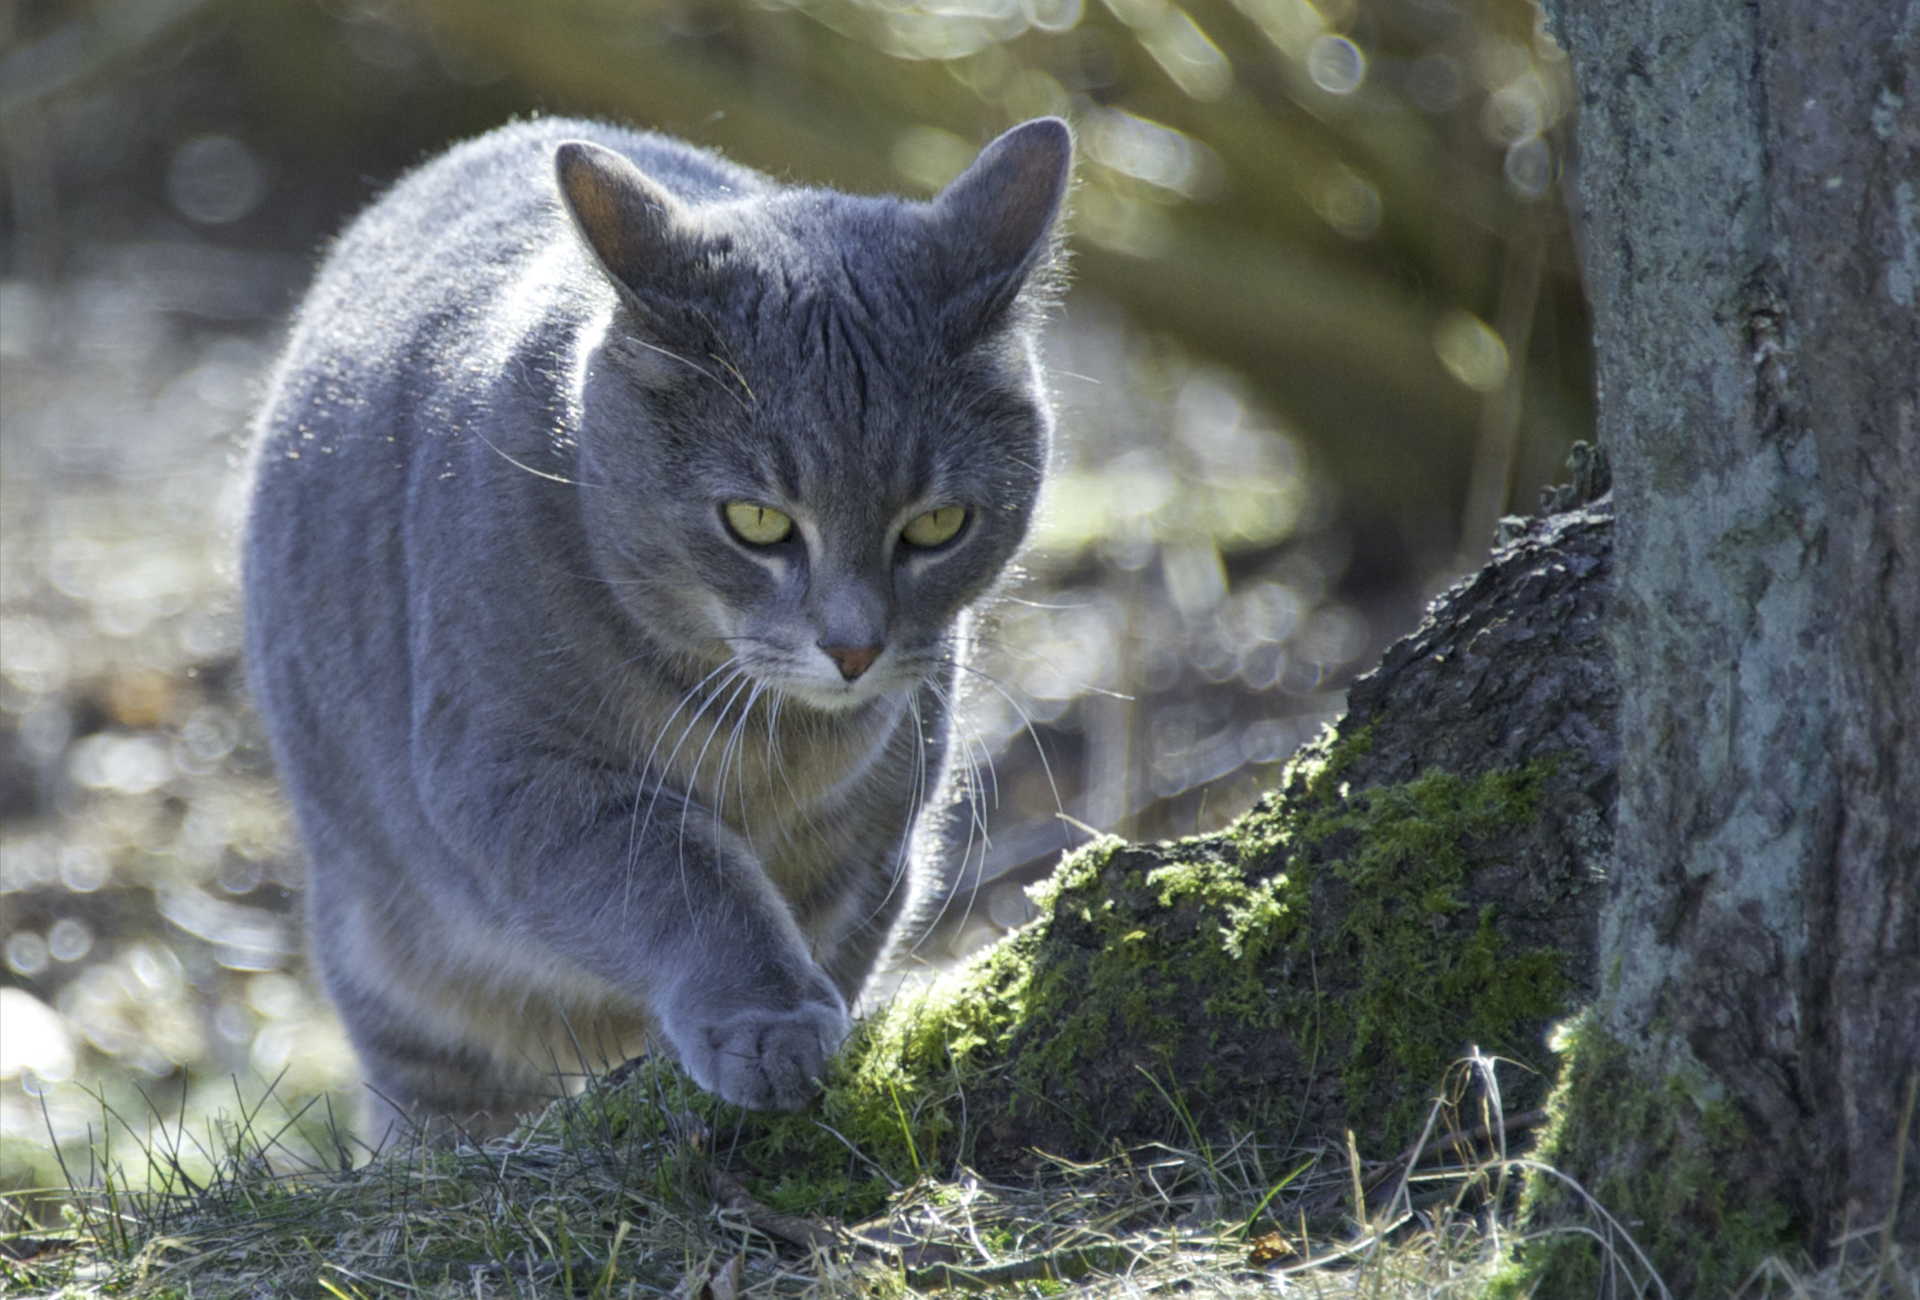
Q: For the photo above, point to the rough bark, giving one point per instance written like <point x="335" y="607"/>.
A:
<point x="1841" y="85"/>
<point x="1748" y="178"/>
<point x="1511" y="668"/>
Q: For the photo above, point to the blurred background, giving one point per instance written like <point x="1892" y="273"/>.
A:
<point x="1325" y="329"/>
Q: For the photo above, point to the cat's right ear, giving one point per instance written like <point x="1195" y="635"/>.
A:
<point x="639" y="231"/>
<point x="1010" y="197"/>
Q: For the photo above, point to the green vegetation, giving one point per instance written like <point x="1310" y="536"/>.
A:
<point x="579" y="1206"/>
<point x="1166" y="995"/>
<point x="1673" y="1192"/>
<point x="1119" y="1023"/>
<point x="1424" y="988"/>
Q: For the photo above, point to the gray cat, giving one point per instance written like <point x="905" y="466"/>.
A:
<point x="616" y="517"/>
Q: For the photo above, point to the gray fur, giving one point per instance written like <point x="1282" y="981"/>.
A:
<point x="573" y="764"/>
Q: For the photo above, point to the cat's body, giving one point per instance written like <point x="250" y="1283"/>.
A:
<point x="585" y="749"/>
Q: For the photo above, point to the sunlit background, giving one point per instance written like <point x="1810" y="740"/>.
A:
<point x="1325" y="330"/>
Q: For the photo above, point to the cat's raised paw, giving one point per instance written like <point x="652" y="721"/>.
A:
<point x="768" y="1060"/>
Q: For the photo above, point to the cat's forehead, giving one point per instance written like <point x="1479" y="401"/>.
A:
<point x="810" y="264"/>
<point x="825" y="438"/>
<point x="851" y="426"/>
<point x="826" y="317"/>
<point x="829" y="321"/>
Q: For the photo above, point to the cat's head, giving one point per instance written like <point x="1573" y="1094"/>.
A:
<point x="813" y="428"/>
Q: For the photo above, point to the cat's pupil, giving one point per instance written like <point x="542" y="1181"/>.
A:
<point x="935" y="527"/>
<point x="758" y="525"/>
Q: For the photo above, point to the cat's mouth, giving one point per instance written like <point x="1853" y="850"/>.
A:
<point x="837" y="696"/>
<point x="827" y="678"/>
<point x="829" y="687"/>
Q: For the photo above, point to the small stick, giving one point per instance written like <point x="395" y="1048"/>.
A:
<point x="1479" y="1133"/>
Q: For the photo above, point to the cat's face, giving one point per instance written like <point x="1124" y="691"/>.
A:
<point x="825" y="441"/>
<point x="821" y="518"/>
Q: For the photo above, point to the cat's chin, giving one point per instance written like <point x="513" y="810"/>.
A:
<point x="838" y="698"/>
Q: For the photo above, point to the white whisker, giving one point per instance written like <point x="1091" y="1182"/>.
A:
<point x="1026" y="723"/>
<point x="645" y="769"/>
<point x="969" y="789"/>
<point x="735" y="684"/>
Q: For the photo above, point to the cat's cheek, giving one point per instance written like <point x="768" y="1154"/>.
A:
<point x="728" y="625"/>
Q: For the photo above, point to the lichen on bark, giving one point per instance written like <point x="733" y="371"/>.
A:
<point x="1740" y="175"/>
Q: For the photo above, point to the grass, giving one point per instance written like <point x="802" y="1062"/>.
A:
<point x="579" y="1204"/>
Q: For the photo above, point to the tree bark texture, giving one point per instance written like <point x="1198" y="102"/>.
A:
<point x="1748" y="176"/>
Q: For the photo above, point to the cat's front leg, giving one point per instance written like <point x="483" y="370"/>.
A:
<point x="751" y="1015"/>
<point x="650" y="893"/>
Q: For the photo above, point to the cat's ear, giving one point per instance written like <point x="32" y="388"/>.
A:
<point x="999" y="215"/>
<point x="639" y="231"/>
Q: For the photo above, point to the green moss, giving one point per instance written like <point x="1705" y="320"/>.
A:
<point x="1658" y="1149"/>
<point x="1141" y="1003"/>
<point x="1422" y="993"/>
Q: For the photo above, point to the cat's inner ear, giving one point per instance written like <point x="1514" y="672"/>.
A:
<point x="639" y="231"/>
<point x="1002" y="209"/>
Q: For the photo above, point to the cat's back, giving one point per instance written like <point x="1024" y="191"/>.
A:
<point x="439" y="335"/>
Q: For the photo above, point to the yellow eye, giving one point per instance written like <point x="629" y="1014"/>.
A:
<point x="758" y="525"/>
<point x="936" y="527"/>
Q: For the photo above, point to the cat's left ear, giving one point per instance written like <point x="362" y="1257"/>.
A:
<point x="999" y="215"/>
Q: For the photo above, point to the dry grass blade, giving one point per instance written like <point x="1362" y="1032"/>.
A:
<point x="729" y="1193"/>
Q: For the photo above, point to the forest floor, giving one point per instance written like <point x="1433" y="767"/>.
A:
<point x="626" y="1191"/>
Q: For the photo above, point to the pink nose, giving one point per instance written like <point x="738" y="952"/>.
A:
<point x="852" y="660"/>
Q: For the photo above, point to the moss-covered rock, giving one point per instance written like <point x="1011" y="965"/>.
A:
<point x="1311" y="969"/>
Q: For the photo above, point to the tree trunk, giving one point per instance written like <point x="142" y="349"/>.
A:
<point x="1748" y="175"/>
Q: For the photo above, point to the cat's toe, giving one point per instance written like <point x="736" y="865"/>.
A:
<point x="770" y="1060"/>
